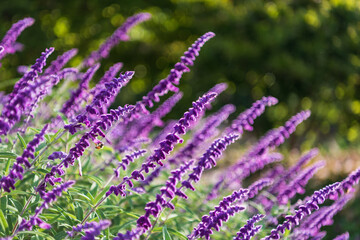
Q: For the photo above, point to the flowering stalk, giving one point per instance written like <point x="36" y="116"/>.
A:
<point x="120" y="34"/>
<point x="271" y="140"/>
<point x="91" y="229"/>
<point x="8" y="182"/>
<point x="249" y="230"/>
<point x="72" y="105"/>
<point x="9" y="41"/>
<point x="60" y="62"/>
<point x="246" y="119"/>
<point x="18" y="99"/>
<point x="187" y="152"/>
<point x="347" y="185"/>
<point x="280" y="182"/>
<point x="127" y="159"/>
<point x="107" y="120"/>
<point x="312" y="204"/>
<point x="203" y="229"/>
<point x="344" y="236"/>
<point x="298" y="183"/>
<point x="167" y="84"/>
<point x="48" y="199"/>
<point x="101" y="98"/>
<point x="166" y="146"/>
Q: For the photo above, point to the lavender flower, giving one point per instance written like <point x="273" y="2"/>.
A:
<point x="280" y="182"/>
<point x="18" y="99"/>
<point x="72" y="105"/>
<point x="187" y="152"/>
<point x="60" y="62"/>
<point x="324" y="216"/>
<point x="91" y="229"/>
<point x="166" y="146"/>
<point x="271" y="140"/>
<point x="246" y="118"/>
<point x="8" y="42"/>
<point x="48" y="199"/>
<point x="57" y="155"/>
<point x="111" y="89"/>
<point x="108" y="76"/>
<point x="154" y="208"/>
<point x="209" y="221"/>
<point x="120" y="34"/>
<point x="347" y="184"/>
<point x="312" y="204"/>
<point x="8" y="182"/>
<point x="107" y="120"/>
<point x="249" y="230"/>
<point x="206" y="161"/>
<point x="298" y="183"/>
<point x="344" y="236"/>
<point x="127" y="159"/>
<point x="167" y="84"/>
<point x="204" y="133"/>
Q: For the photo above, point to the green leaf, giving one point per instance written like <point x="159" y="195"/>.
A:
<point x="7" y="166"/>
<point x="9" y="155"/>
<point x="35" y="130"/>
<point x="79" y="213"/>
<point x="23" y="143"/>
<point x="176" y="233"/>
<point x="166" y="234"/>
<point x="101" y="194"/>
<point x="3" y="221"/>
<point x="40" y="234"/>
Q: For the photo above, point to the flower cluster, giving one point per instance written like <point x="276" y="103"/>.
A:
<point x="22" y="96"/>
<point x="249" y="230"/>
<point x="8" y="43"/>
<point x="166" y="146"/>
<point x="311" y="205"/>
<point x="49" y="197"/>
<point x="8" y="182"/>
<point x="91" y="229"/>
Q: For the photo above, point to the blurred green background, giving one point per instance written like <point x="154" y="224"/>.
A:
<point x="306" y="53"/>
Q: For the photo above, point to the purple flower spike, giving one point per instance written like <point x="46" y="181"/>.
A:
<point x="73" y="105"/>
<point x="91" y="229"/>
<point x="249" y="230"/>
<point x="167" y="84"/>
<point x="106" y="121"/>
<point x="206" y="161"/>
<point x="344" y="236"/>
<point x="280" y="182"/>
<point x="166" y="146"/>
<point x="108" y="76"/>
<point x="57" y="155"/>
<point x="102" y="98"/>
<point x="303" y="210"/>
<point x="60" y="62"/>
<point x="18" y="100"/>
<point x="49" y="197"/>
<point x="8" y="182"/>
<point x="298" y="183"/>
<point x="208" y="221"/>
<point x="347" y="184"/>
<point x="127" y="160"/>
<point x="163" y="199"/>
<point x="246" y="119"/>
<point x="8" y="42"/>
<point x="119" y="35"/>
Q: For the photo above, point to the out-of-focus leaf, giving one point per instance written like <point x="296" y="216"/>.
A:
<point x="166" y="234"/>
<point x="41" y="234"/>
<point x="176" y="233"/>
<point x="22" y="141"/>
<point x="3" y="221"/>
<point x="8" y="155"/>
